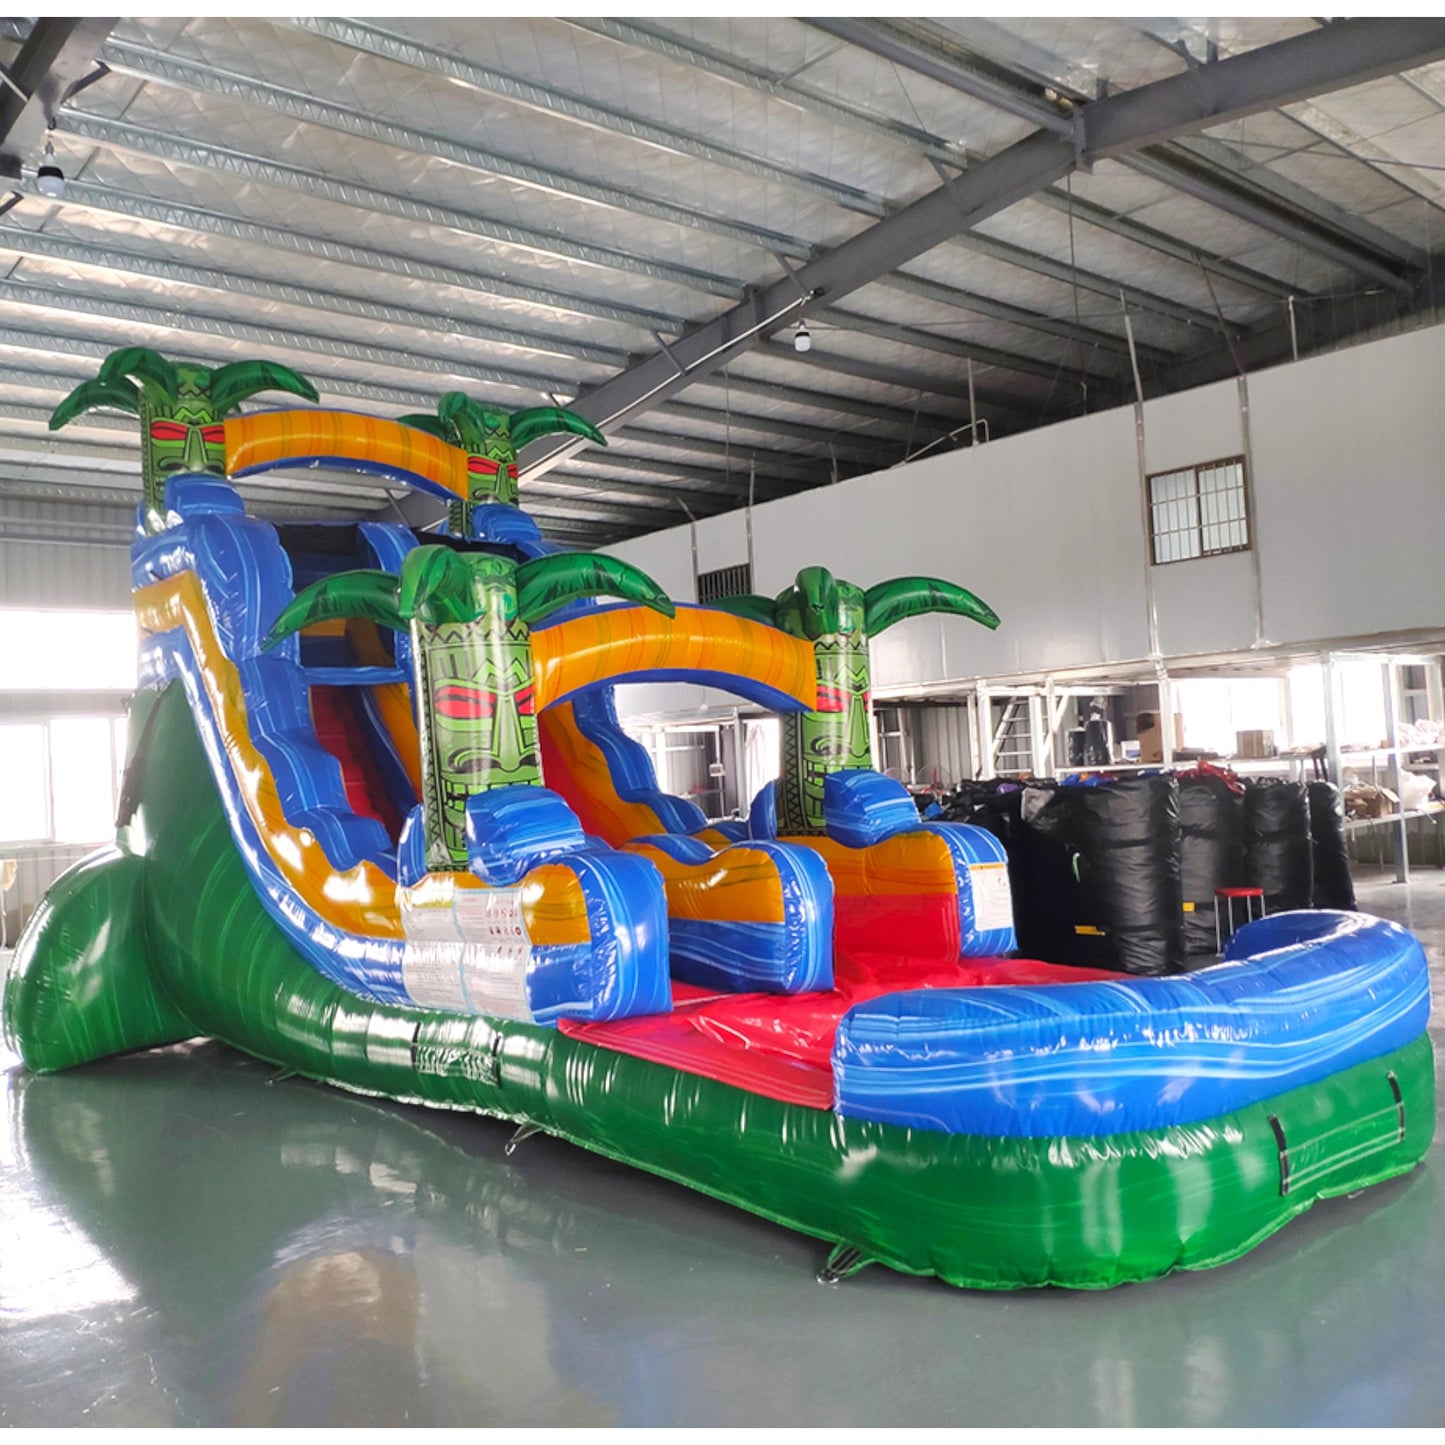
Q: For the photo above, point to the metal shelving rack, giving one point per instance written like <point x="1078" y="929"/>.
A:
<point x="1393" y="751"/>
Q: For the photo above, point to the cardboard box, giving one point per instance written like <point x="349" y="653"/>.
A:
<point x="1364" y="800"/>
<point x="1151" y="741"/>
<point x="1255" y="743"/>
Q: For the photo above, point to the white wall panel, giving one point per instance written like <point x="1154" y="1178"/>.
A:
<point x="1350" y="480"/>
<point x="1189" y="427"/>
<point x="1206" y="605"/>
<point x="53" y="572"/>
<point x="1045" y="527"/>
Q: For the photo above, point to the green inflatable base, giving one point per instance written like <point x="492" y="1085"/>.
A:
<point x="164" y="938"/>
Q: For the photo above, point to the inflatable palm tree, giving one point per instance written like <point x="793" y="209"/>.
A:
<point x="470" y="616"/>
<point x="491" y="440"/>
<point x="181" y="408"/>
<point x="839" y="619"/>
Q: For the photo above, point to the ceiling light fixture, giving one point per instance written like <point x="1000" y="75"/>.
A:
<point x="802" y="338"/>
<point x="49" y="178"/>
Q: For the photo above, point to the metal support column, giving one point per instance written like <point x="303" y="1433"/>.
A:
<point x="1330" y="682"/>
<point x="1392" y="732"/>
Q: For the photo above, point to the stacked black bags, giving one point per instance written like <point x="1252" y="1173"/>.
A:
<point x="1211" y="852"/>
<point x="1098" y="868"/>
<point x="1278" y="853"/>
<point x="1333" y="886"/>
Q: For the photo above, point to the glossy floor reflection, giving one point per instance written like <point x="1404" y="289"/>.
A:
<point x="186" y="1239"/>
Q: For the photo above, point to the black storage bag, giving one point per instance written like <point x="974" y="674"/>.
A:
<point x="1278" y="853"/>
<point x="1333" y="886"/>
<point x="1211" y="854"/>
<point x="1103" y="876"/>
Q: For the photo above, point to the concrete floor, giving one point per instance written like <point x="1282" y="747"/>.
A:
<point x="184" y="1240"/>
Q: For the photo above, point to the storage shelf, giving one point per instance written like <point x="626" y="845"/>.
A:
<point x="1354" y="825"/>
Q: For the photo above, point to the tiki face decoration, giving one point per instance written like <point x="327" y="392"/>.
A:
<point x="837" y="734"/>
<point x="182" y="410"/>
<point x="838" y="619"/>
<point x="478" y="725"/>
<point x="181" y="433"/>
<point x="491" y="440"/>
<point x="470" y="615"/>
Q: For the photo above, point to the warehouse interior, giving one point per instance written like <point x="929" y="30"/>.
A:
<point x="1128" y="326"/>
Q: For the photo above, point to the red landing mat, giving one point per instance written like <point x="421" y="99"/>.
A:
<point x="780" y="1045"/>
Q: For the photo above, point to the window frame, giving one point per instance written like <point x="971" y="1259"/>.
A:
<point x="1199" y="526"/>
<point x="723" y="582"/>
<point x="117" y="758"/>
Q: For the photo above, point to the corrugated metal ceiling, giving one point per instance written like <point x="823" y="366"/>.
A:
<point x="523" y="208"/>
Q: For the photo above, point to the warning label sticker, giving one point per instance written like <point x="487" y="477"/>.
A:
<point x="992" y="902"/>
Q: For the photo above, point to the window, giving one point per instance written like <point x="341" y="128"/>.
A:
<point x="893" y="743"/>
<point x="60" y="779"/>
<point x="1198" y="511"/>
<point x="24" y="790"/>
<point x="725" y="582"/>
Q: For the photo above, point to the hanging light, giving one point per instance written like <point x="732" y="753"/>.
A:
<point x="802" y="338"/>
<point x="49" y="178"/>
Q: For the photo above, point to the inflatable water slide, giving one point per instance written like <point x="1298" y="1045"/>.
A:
<point x="381" y="827"/>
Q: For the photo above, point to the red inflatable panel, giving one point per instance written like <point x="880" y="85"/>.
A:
<point x="780" y="1046"/>
<point x="337" y="731"/>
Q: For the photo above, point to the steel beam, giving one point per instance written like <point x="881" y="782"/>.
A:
<point x="911" y="138"/>
<point x="1085" y="336"/>
<point x="1258" y="80"/>
<point x="876" y="40"/>
<point x="26" y="241"/>
<point x="696" y="56"/>
<point x="1344" y="53"/>
<point x="1086" y="213"/>
<point x="844" y="443"/>
<point x="1278" y="189"/>
<point x="147" y="141"/>
<point x="226" y="160"/>
<point x="375" y="41"/>
<point x="554" y="102"/>
<point x="682" y="477"/>
<point x="177" y="215"/>
<point x="55" y="55"/>
<point x="780" y="464"/>
<point x="144" y="62"/>
<point x="462" y="371"/>
<point x="1076" y="276"/>
<point x="914" y="382"/>
<point x="1183" y="173"/>
<point x="958" y="204"/>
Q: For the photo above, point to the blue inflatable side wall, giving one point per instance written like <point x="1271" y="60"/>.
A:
<point x="245" y="577"/>
<point x="1306" y="996"/>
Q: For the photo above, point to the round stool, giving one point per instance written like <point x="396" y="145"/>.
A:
<point x="1227" y="896"/>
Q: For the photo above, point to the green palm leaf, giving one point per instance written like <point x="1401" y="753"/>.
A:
<point x="232" y="384"/>
<point x="547" y="583"/>
<point x="902" y="597"/>
<point x="541" y="421"/>
<point x="751" y="606"/>
<point x="439" y="585"/>
<point x="123" y="395"/>
<point x="430" y="425"/>
<point x="148" y="367"/>
<point x="467" y="421"/>
<point x="365" y="593"/>
<point x="812" y="607"/>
